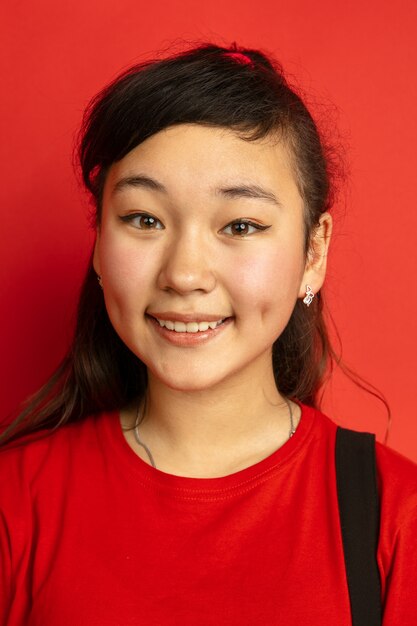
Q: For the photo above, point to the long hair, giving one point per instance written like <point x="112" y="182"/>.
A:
<point x="236" y="88"/>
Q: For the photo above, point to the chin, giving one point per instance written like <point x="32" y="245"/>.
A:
<point x="188" y="382"/>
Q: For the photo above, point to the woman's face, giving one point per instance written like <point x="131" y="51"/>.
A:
<point x="172" y="243"/>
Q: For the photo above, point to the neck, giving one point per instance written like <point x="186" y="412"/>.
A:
<point x="213" y="431"/>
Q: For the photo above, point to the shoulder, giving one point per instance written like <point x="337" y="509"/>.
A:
<point x="397" y="560"/>
<point x="397" y="484"/>
<point x="42" y="471"/>
<point x="396" y="474"/>
<point x="46" y="454"/>
<point x="39" y="472"/>
<point x="393" y="464"/>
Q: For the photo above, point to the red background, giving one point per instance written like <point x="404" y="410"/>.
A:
<point x="359" y="59"/>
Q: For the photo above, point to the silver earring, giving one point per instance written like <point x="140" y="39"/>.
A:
<point x="99" y="281"/>
<point x="309" y="295"/>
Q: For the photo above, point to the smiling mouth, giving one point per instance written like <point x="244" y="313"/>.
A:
<point x="189" y="327"/>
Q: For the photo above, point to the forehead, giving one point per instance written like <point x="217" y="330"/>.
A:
<point x="201" y="158"/>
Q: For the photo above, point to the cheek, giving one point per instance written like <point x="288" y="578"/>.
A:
<point x="126" y="270"/>
<point x="118" y="261"/>
<point x="267" y="283"/>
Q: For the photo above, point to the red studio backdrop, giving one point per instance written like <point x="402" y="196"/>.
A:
<point x="357" y="63"/>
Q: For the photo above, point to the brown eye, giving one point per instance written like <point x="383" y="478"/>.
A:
<point x="146" y="221"/>
<point x="141" y="221"/>
<point x="240" y="227"/>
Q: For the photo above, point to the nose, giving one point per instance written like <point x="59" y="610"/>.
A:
<point x="188" y="264"/>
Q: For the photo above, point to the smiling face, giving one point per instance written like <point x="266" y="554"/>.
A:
<point x="172" y="240"/>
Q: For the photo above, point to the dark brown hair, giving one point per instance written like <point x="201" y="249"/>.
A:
<point x="241" y="89"/>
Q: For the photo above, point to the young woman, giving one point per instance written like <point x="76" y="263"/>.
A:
<point x="176" y="468"/>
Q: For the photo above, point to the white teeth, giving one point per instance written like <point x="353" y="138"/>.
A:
<point x="191" y="327"/>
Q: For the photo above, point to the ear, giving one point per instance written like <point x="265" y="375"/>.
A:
<point x="316" y="263"/>
<point x="96" y="255"/>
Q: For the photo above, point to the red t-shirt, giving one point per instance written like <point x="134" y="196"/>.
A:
<point x="91" y="535"/>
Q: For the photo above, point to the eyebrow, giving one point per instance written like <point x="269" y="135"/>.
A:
<point x="249" y="191"/>
<point x="238" y="191"/>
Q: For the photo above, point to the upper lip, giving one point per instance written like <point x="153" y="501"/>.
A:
<point x="187" y="317"/>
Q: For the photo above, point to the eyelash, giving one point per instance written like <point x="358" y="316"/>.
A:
<point x="130" y="218"/>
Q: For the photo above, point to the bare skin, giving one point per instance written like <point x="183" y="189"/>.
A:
<point x="264" y="436"/>
<point x="214" y="408"/>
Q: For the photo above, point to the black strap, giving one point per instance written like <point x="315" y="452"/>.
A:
<point x="359" y="519"/>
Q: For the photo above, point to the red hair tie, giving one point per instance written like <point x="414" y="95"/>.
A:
<point x="239" y="57"/>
